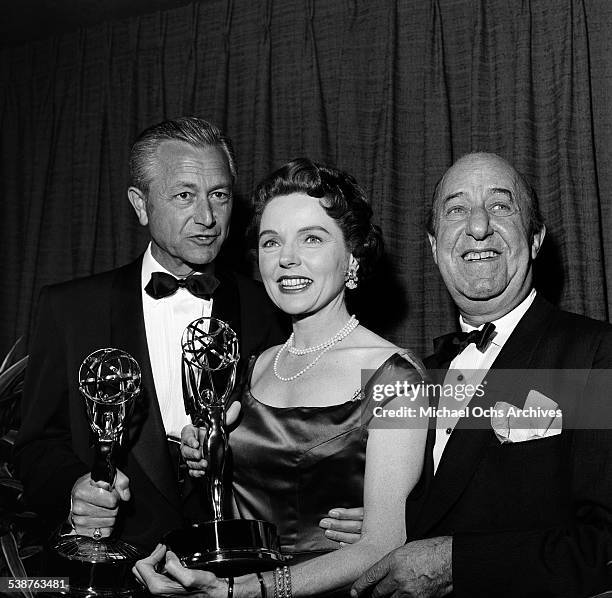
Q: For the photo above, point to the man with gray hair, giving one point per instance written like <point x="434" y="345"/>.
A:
<point x="182" y="175"/>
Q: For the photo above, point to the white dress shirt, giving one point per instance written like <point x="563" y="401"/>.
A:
<point x="470" y="367"/>
<point x="165" y="320"/>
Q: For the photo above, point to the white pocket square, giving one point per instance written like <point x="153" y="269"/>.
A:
<point x="539" y="418"/>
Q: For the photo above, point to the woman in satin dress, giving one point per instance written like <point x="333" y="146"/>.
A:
<point x="311" y="433"/>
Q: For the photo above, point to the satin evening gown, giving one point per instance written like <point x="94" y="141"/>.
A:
<point x="292" y="465"/>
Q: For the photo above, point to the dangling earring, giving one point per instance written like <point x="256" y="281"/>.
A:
<point x="350" y="278"/>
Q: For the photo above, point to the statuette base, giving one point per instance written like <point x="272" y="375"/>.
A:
<point x="227" y="547"/>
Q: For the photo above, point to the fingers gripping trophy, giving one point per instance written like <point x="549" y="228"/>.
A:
<point x="109" y="380"/>
<point x="224" y="546"/>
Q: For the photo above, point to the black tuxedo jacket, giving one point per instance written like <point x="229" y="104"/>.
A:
<point x="530" y="518"/>
<point x="54" y="446"/>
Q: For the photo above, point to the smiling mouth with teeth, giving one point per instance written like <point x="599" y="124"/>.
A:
<point x="294" y="284"/>
<point x="476" y="256"/>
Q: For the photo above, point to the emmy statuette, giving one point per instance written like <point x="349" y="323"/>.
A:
<point x="109" y="380"/>
<point x="223" y="546"/>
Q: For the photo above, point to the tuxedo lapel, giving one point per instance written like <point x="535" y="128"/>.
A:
<point x="226" y="307"/>
<point x="472" y="435"/>
<point x="146" y="437"/>
<point x="226" y="302"/>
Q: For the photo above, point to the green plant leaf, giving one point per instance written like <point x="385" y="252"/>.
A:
<point x="11" y="555"/>
<point x="9" y="439"/>
<point x="8" y="376"/>
<point x="11" y="483"/>
<point x="11" y="355"/>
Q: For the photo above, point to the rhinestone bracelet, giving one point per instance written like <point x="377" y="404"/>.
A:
<point x="287" y="576"/>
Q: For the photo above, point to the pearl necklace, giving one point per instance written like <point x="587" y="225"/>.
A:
<point x="346" y="329"/>
<point x="323" y="348"/>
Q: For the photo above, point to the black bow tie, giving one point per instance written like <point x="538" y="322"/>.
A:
<point x="163" y="284"/>
<point x="447" y="347"/>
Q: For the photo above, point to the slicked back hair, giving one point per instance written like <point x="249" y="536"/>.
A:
<point x="192" y="130"/>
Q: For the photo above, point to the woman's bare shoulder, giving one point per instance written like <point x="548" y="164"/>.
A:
<point x="373" y="350"/>
<point x="263" y="362"/>
<point x="369" y="348"/>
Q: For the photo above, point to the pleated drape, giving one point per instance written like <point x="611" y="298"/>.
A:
<point x="392" y="91"/>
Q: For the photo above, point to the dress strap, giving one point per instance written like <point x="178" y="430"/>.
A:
<point x="357" y="395"/>
<point x="411" y="358"/>
<point x="402" y="368"/>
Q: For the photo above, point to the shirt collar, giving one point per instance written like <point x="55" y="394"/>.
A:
<point x="150" y="265"/>
<point x="505" y="325"/>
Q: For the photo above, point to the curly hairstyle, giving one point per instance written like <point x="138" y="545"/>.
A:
<point x="189" y="129"/>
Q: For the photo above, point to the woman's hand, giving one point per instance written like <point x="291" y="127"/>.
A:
<point x="176" y="580"/>
<point x="193" y="439"/>
<point x="343" y="525"/>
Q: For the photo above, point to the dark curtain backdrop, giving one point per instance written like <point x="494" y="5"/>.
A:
<point x="393" y="92"/>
